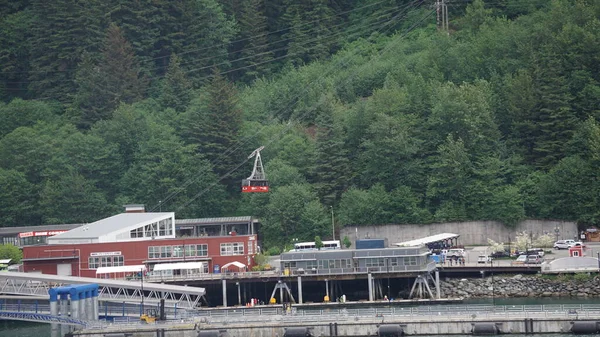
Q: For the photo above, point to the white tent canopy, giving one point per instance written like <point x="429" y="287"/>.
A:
<point x="121" y="269"/>
<point x="234" y="263"/>
<point x="180" y="265"/>
<point x="5" y="261"/>
<point x="427" y="240"/>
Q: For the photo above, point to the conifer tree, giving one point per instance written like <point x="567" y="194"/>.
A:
<point x="554" y="120"/>
<point x="255" y="54"/>
<point x="213" y="124"/>
<point x="62" y="32"/>
<point x="115" y="80"/>
<point x="331" y="165"/>
<point x="176" y="88"/>
<point x="208" y="33"/>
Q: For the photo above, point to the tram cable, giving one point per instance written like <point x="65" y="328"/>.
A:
<point x="246" y="140"/>
<point x="278" y="135"/>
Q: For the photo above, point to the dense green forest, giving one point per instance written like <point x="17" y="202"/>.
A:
<point x="365" y="108"/>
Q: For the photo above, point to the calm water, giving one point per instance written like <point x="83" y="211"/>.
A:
<point x="24" y="329"/>
<point x="28" y="329"/>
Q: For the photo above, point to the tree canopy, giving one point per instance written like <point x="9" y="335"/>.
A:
<point x="366" y="109"/>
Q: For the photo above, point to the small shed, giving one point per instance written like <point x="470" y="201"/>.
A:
<point x="576" y="251"/>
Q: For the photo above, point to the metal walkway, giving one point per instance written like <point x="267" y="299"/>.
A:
<point x="38" y="284"/>
<point x="40" y="318"/>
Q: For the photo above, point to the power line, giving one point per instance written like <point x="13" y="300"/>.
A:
<point x="238" y="146"/>
<point x="309" y="23"/>
<point x="273" y="139"/>
<point x="234" y="148"/>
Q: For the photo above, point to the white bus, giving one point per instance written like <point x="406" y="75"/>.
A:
<point x="327" y="245"/>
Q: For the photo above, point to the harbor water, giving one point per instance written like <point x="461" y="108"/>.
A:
<point x="29" y="329"/>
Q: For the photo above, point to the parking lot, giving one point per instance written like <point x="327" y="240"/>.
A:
<point x="472" y="254"/>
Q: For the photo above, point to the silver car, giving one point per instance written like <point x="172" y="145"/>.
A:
<point x="564" y="244"/>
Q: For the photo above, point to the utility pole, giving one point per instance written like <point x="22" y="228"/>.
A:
<point x="332" y="224"/>
<point x="442" y="14"/>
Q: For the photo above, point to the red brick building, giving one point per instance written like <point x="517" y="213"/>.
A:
<point x="129" y="240"/>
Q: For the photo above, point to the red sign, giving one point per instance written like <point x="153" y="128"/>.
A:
<point x="41" y="233"/>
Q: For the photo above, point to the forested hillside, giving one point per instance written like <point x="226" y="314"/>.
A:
<point x="366" y="110"/>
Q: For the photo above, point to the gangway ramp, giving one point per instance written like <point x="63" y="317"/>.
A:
<point x="30" y="284"/>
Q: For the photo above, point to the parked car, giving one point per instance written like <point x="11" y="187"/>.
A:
<point x="533" y="259"/>
<point x="500" y="254"/>
<point x="521" y="259"/>
<point x="578" y="244"/>
<point x="563" y="244"/>
<point x="484" y="259"/>
<point x="535" y="251"/>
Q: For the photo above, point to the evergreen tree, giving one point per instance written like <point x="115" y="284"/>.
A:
<point x="212" y="123"/>
<point x="310" y="26"/>
<point x="115" y="80"/>
<point x="16" y="198"/>
<point x="176" y="89"/>
<point x="331" y="173"/>
<point x="208" y="32"/>
<point x="554" y="121"/>
<point x="15" y="49"/>
<point x="255" y="55"/>
<point x="62" y="32"/>
<point x="449" y="183"/>
<point x="141" y="21"/>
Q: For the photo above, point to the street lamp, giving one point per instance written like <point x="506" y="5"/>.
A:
<point x="239" y="293"/>
<point x="492" y="271"/>
<point x="332" y="224"/>
<point x="556" y="231"/>
<point x="142" y="289"/>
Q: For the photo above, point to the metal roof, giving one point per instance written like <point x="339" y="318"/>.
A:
<point x="429" y="239"/>
<point x="21" y="229"/>
<point x="224" y="220"/>
<point x="109" y="225"/>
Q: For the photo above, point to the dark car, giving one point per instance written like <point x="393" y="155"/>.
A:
<point x="499" y="254"/>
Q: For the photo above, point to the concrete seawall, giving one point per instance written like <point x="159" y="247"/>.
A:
<point x="471" y="232"/>
<point x="429" y="325"/>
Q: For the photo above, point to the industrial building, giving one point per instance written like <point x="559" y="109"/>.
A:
<point x="127" y="244"/>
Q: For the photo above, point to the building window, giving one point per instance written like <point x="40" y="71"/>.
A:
<point x="232" y="248"/>
<point x="137" y="233"/>
<point x="33" y="240"/>
<point x="157" y="252"/>
<point x="311" y="265"/>
<point x="202" y="250"/>
<point x="96" y="262"/>
<point x="374" y="262"/>
<point x="410" y="261"/>
<point x="165" y="251"/>
<point x="177" y="251"/>
<point x="151" y="230"/>
<point x="153" y="252"/>
<point x="165" y="227"/>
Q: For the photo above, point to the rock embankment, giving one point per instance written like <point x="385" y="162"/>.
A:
<point x="522" y="286"/>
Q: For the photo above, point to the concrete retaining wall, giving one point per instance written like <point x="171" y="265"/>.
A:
<point x="359" y="328"/>
<point x="471" y="232"/>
